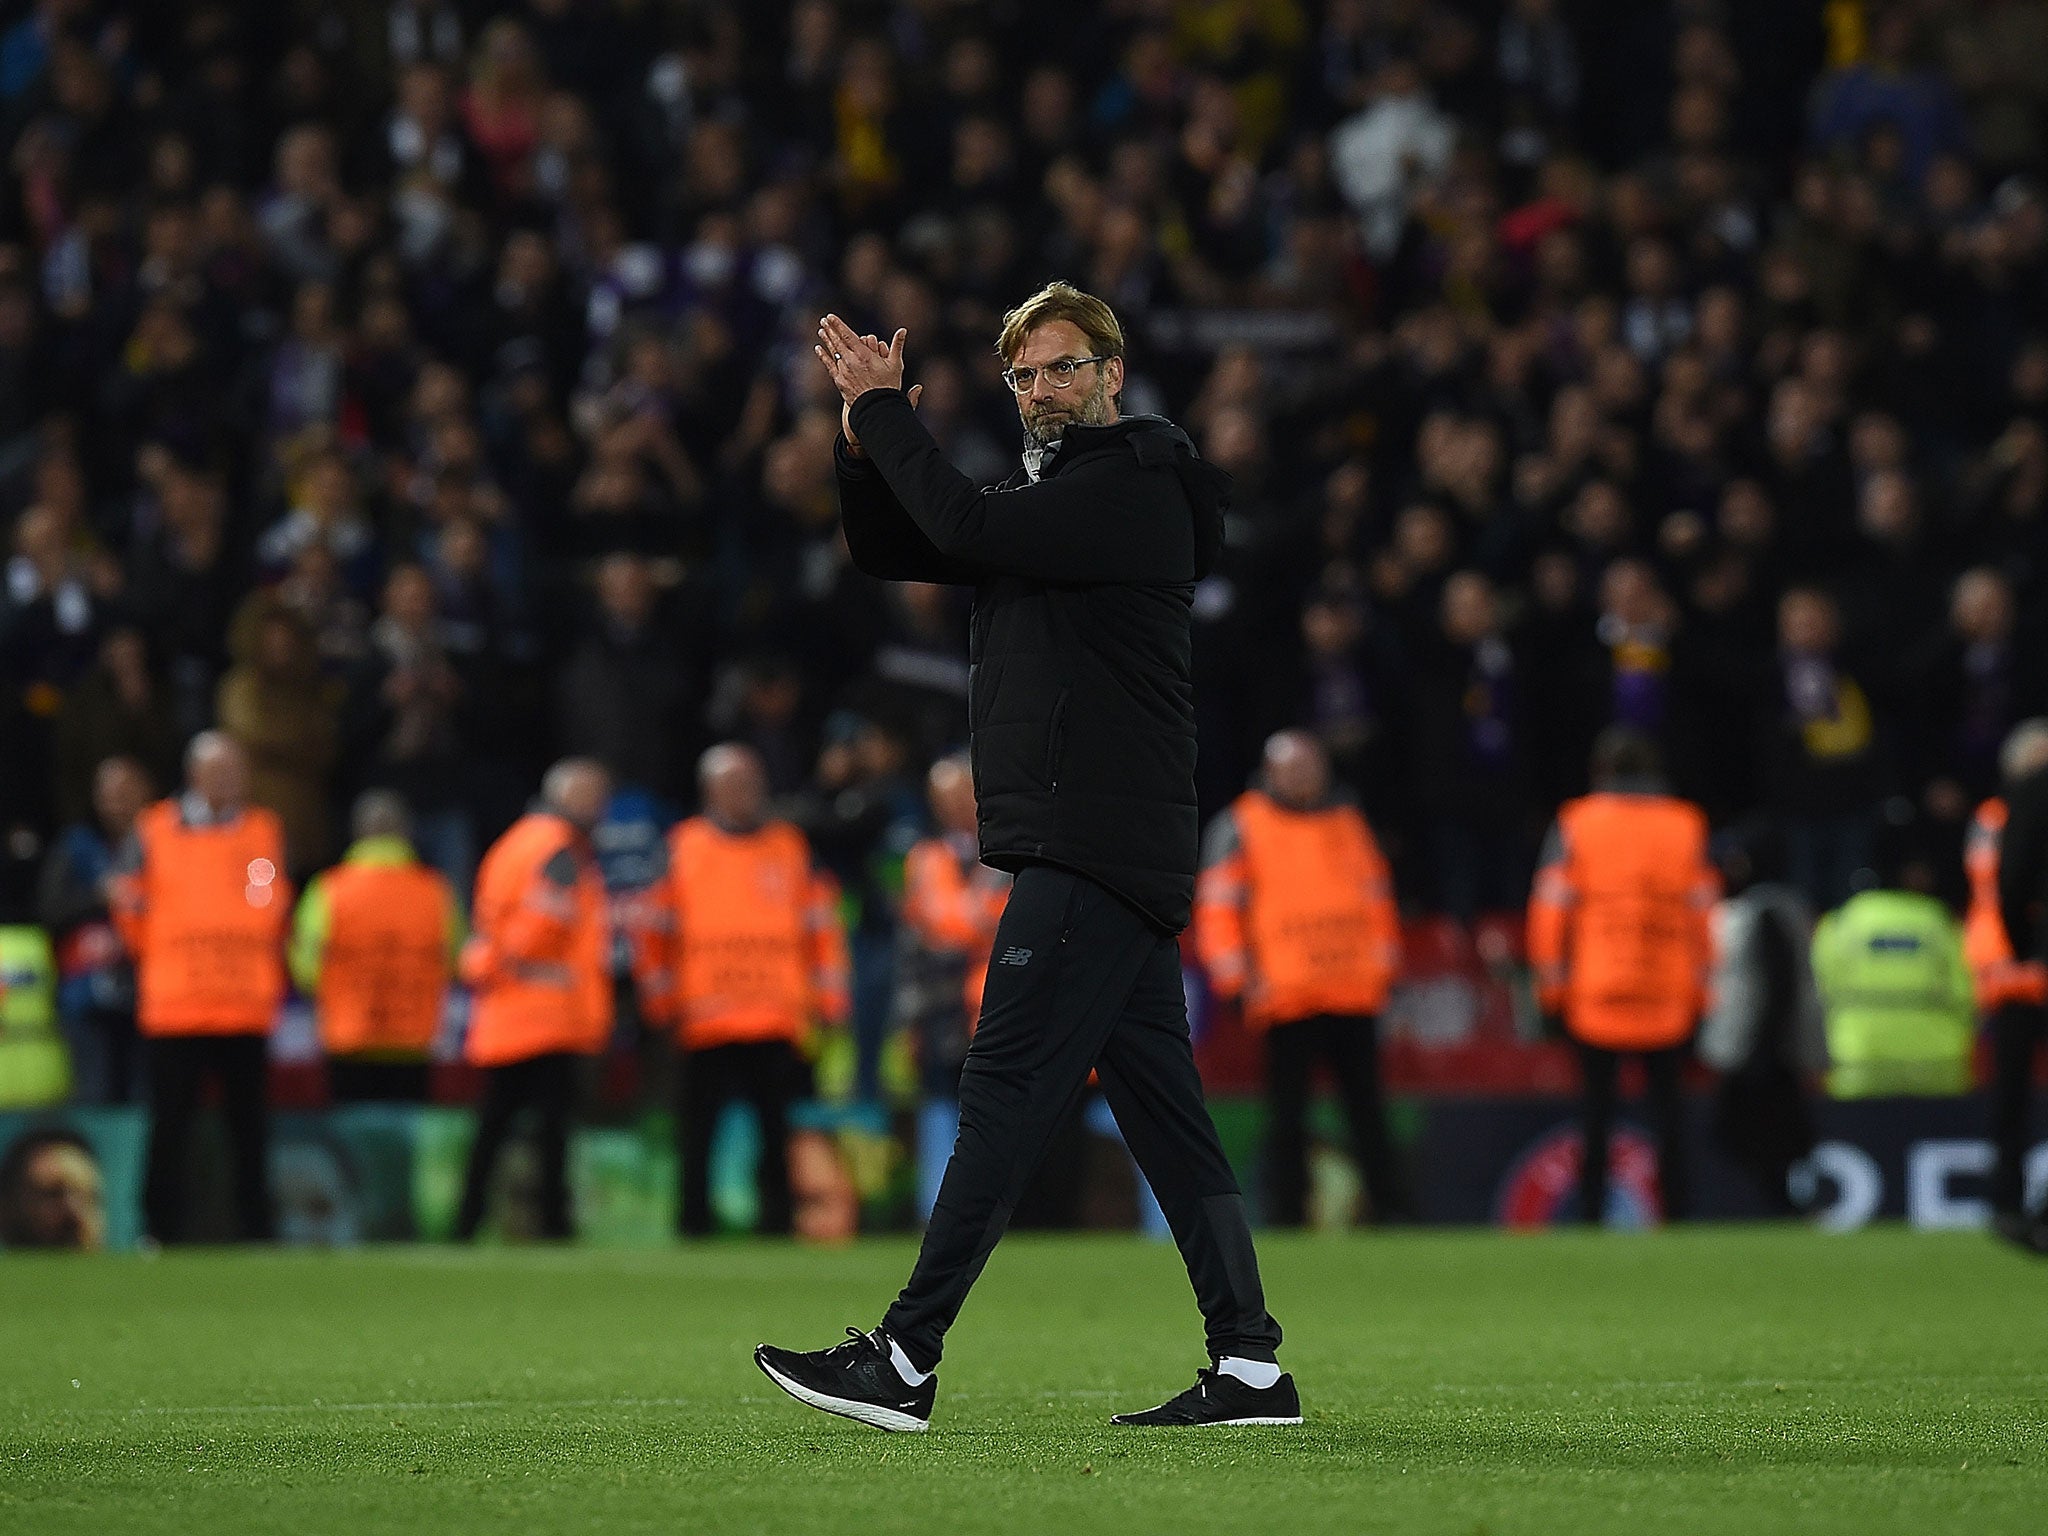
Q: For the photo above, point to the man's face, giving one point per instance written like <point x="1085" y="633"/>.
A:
<point x="119" y="792"/>
<point x="221" y="776"/>
<point x="579" y="794"/>
<point x="1088" y="398"/>
<point x="63" y="1205"/>
<point x="1468" y="609"/>
<point x="625" y="591"/>
<point x="736" y="791"/>
<point x="409" y="598"/>
<point x="1297" y="773"/>
<point x="952" y="796"/>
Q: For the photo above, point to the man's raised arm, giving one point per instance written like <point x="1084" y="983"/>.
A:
<point x="1099" y="522"/>
<point x="880" y="535"/>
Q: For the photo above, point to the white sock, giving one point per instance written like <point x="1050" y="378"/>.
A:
<point x="912" y="1376"/>
<point x="1253" y="1373"/>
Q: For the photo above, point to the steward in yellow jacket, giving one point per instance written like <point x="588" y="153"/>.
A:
<point x="374" y="946"/>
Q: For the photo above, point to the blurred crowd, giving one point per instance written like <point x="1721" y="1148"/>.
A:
<point x="418" y="392"/>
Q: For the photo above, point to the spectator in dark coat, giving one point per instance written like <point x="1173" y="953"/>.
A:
<point x="1822" y="767"/>
<point x="1469" y="756"/>
<point x="402" y="724"/>
<point x="117" y="710"/>
<point x="95" y="977"/>
<point x="627" y="696"/>
<point x="185" y="579"/>
<point x="285" y="715"/>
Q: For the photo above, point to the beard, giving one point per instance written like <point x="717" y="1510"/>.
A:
<point x="1046" y="421"/>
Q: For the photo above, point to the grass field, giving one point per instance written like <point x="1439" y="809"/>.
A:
<point x="1755" y="1381"/>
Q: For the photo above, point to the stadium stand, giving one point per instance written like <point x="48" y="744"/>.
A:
<point x="420" y="391"/>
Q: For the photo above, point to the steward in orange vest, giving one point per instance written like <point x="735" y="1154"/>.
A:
<point x="756" y="960"/>
<point x="1997" y="975"/>
<point x="1295" y="914"/>
<point x="202" y="903"/>
<point x="2012" y="993"/>
<point x="951" y="905"/>
<point x="538" y="961"/>
<point x="756" y="949"/>
<point x="374" y="946"/>
<point x="539" y="970"/>
<point x="1620" y="936"/>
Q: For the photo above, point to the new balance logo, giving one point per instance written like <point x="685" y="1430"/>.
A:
<point x="1015" y="956"/>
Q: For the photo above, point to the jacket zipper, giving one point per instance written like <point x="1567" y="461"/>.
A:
<point x="1055" y="740"/>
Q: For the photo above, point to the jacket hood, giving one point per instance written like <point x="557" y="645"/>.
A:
<point x="1159" y="442"/>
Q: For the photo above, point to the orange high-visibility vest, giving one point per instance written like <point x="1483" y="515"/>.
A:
<point x="205" y="914"/>
<point x="1619" y="927"/>
<point x="1299" y="917"/>
<point x="384" y="972"/>
<point x="539" y="961"/>
<point x="1998" y="975"/>
<point x="952" y="910"/>
<point x="757" y="949"/>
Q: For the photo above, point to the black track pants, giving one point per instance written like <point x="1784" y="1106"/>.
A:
<point x="1079" y="981"/>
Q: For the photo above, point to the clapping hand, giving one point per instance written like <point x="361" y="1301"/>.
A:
<point x="858" y="364"/>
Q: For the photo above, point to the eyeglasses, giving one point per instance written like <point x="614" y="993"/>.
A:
<point x="1060" y="370"/>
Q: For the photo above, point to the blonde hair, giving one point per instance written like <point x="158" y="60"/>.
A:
<point x="1062" y="301"/>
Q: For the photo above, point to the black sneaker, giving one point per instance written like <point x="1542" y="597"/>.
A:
<point x="856" y="1380"/>
<point x="1219" y="1399"/>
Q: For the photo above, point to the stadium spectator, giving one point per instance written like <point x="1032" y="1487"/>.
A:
<point x="1822" y="759"/>
<point x="755" y="962"/>
<point x="1619" y="936"/>
<point x="325" y="514"/>
<point x="539" y="967"/>
<point x="403" y="718"/>
<point x="861" y="816"/>
<point x="118" y="709"/>
<point x="2011" y="987"/>
<point x="1469" y="742"/>
<point x="1389" y="153"/>
<point x="184" y="575"/>
<point x="629" y="692"/>
<point x="951" y="904"/>
<point x="1972" y="688"/>
<point x="1888" y="96"/>
<point x="1295" y="916"/>
<point x="285" y="716"/>
<point x="96" y="975"/>
<point x="201" y="900"/>
<point x="1892" y="975"/>
<point x="1763" y="1031"/>
<point x="374" y="946"/>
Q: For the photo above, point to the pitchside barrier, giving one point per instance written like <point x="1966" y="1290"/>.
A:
<point x="1481" y="1110"/>
<point x="393" y="1173"/>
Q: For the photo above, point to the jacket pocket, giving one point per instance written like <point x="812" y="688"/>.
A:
<point x="1056" y="739"/>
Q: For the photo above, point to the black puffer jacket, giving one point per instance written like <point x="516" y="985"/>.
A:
<point x="1082" y="715"/>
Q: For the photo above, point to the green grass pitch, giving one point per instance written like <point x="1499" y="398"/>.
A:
<point x="1756" y="1380"/>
